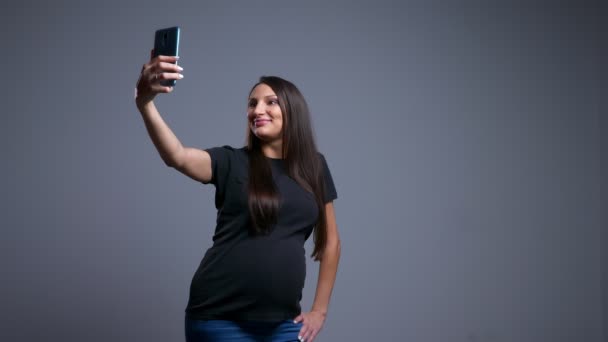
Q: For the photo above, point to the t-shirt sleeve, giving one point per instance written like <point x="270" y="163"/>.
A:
<point x="221" y="160"/>
<point x="220" y="163"/>
<point x="330" y="188"/>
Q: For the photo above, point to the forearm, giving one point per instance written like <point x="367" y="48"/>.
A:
<point x="167" y="144"/>
<point x="327" y="276"/>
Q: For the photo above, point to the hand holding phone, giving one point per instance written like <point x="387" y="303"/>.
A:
<point x="159" y="75"/>
<point x="166" y="43"/>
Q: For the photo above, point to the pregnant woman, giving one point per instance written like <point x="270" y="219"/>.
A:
<point x="271" y="195"/>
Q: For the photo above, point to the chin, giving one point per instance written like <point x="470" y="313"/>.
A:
<point x="265" y="137"/>
<point x="266" y="132"/>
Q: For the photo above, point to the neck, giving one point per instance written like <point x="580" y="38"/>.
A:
<point x="273" y="150"/>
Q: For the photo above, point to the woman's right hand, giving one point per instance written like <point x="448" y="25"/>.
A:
<point x="157" y="69"/>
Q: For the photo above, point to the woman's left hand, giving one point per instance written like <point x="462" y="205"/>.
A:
<point x="312" y="324"/>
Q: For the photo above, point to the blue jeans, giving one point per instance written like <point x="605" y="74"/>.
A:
<point x="246" y="331"/>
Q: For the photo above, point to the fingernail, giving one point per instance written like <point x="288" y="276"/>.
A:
<point x="295" y="322"/>
<point x="179" y="68"/>
<point x="300" y="338"/>
<point x="180" y="76"/>
<point x="176" y="57"/>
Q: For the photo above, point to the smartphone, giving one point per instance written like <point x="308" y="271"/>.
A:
<point x="166" y="43"/>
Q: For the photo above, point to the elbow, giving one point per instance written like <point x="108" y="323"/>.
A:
<point x="333" y="246"/>
<point x="331" y="251"/>
<point x="172" y="160"/>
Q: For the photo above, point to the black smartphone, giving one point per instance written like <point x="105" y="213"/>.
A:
<point x="166" y="43"/>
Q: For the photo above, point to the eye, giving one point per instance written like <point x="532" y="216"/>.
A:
<point x="273" y="102"/>
<point x="252" y="104"/>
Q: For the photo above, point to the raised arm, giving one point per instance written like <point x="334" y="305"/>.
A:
<point x="194" y="163"/>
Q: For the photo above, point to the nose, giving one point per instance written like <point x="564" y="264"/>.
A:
<point x="260" y="108"/>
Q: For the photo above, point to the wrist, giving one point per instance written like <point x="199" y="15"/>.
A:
<point x="143" y="103"/>
<point x="322" y="311"/>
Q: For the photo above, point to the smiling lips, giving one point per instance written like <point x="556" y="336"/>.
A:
<point x="260" y="122"/>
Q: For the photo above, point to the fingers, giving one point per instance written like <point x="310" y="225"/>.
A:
<point x="157" y="69"/>
<point x="311" y="325"/>
<point x="168" y="59"/>
<point x="153" y="76"/>
<point x="167" y="76"/>
<point x="307" y="334"/>
<point x="303" y="334"/>
<point x="160" y="67"/>
<point x="304" y="331"/>
<point x="297" y="320"/>
<point x="162" y="70"/>
<point x="169" y="67"/>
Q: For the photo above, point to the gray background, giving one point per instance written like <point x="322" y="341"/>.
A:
<point x="464" y="139"/>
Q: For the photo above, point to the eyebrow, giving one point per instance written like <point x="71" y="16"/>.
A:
<point x="267" y="96"/>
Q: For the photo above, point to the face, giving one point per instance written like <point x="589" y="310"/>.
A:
<point x="264" y="113"/>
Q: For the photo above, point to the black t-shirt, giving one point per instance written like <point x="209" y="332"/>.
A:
<point x="254" y="277"/>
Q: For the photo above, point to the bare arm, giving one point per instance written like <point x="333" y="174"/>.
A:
<point x="329" y="263"/>
<point x="313" y="321"/>
<point x="194" y="163"/>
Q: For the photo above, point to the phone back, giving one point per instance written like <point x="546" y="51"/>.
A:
<point x="166" y="43"/>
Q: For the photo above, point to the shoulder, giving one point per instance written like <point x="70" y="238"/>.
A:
<point x="227" y="151"/>
<point x="221" y="149"/>
<point x="226" y="160"/>
<point x="321" y="159"/>
<point x="327" y="179"/>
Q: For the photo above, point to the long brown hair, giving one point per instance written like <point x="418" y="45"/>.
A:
<point x="301" y="159"/>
